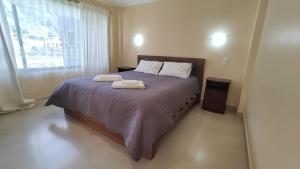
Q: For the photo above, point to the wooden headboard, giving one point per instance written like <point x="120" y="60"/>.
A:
<point x="198" y="64"/>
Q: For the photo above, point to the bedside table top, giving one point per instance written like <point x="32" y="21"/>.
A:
<point x="218" y="80"/>
<point x="125" y="67"/>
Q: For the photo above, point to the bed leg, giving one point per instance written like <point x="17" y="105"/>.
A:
<point x="150" y="153"/>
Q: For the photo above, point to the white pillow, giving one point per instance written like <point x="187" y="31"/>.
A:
<point x="182" y="70"/>
<point x="151" y="67"/>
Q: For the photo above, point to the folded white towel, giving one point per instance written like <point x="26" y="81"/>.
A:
<point x="107" y="78"/>
<point x="128" y="84"/>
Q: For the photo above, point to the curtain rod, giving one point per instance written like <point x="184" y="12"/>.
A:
<point x="75" y="1"/>
<point x="93" y="2"/>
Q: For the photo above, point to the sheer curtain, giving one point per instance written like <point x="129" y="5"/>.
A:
<point x="11" y="97"/>
<point x="54" y="40"/>
<point x="95" y="26"/>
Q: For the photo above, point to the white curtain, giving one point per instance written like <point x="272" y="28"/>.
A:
<point x="54" y="40"/>
<point x="95" y="26"/>
<point x="11" y="97"/>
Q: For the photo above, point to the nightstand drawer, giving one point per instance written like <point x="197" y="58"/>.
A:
<point x="217" y="85"/>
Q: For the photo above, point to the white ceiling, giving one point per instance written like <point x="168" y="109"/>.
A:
<point x="126" y="2"/>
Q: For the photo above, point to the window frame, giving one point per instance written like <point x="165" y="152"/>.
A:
<point x="19" y="35"/>
<point x="25" y="68"/>
<point x="22" y="70"/>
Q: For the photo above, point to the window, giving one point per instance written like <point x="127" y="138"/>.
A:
<point x="44" y="39"/>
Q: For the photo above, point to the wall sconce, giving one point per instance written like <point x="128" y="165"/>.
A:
<point x="138" y="40"/>
<point x="218" y="39"/>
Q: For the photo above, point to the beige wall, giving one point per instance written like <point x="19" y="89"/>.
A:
<point x="183" y="28"/>
<point x="116" y="38"/>
<point x="261" y="13"/>
<point x="41" y="84"/>
<point x="272" y="113"/>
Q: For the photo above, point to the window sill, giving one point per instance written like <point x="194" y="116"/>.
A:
<point x="50" y="69"/>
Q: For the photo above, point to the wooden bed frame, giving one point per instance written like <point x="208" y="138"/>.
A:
<point x="198" y="71"/>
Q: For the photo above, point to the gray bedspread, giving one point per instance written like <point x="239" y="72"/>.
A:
<point x="141" y="116"/>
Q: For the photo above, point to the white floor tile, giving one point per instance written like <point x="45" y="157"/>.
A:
<point x="43" y="138"/>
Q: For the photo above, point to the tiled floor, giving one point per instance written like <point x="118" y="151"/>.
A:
<point x="43" y="138"/>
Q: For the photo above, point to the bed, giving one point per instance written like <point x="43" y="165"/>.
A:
<point x="136" y="118"/>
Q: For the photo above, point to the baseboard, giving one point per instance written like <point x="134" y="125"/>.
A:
<point x="231" y="109"/>
<point x="249" y="152"/>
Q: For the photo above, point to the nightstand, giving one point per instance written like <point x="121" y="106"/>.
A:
<point x="125" y="68"/>
<point x="215" y="96"/>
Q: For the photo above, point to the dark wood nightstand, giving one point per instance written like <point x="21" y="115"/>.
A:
<point x="125" y="68"/>
<point x="215" y="95"/>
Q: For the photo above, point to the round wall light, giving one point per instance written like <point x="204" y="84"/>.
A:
<point x="138" y="40"/>
<point x="218" y="39"/>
